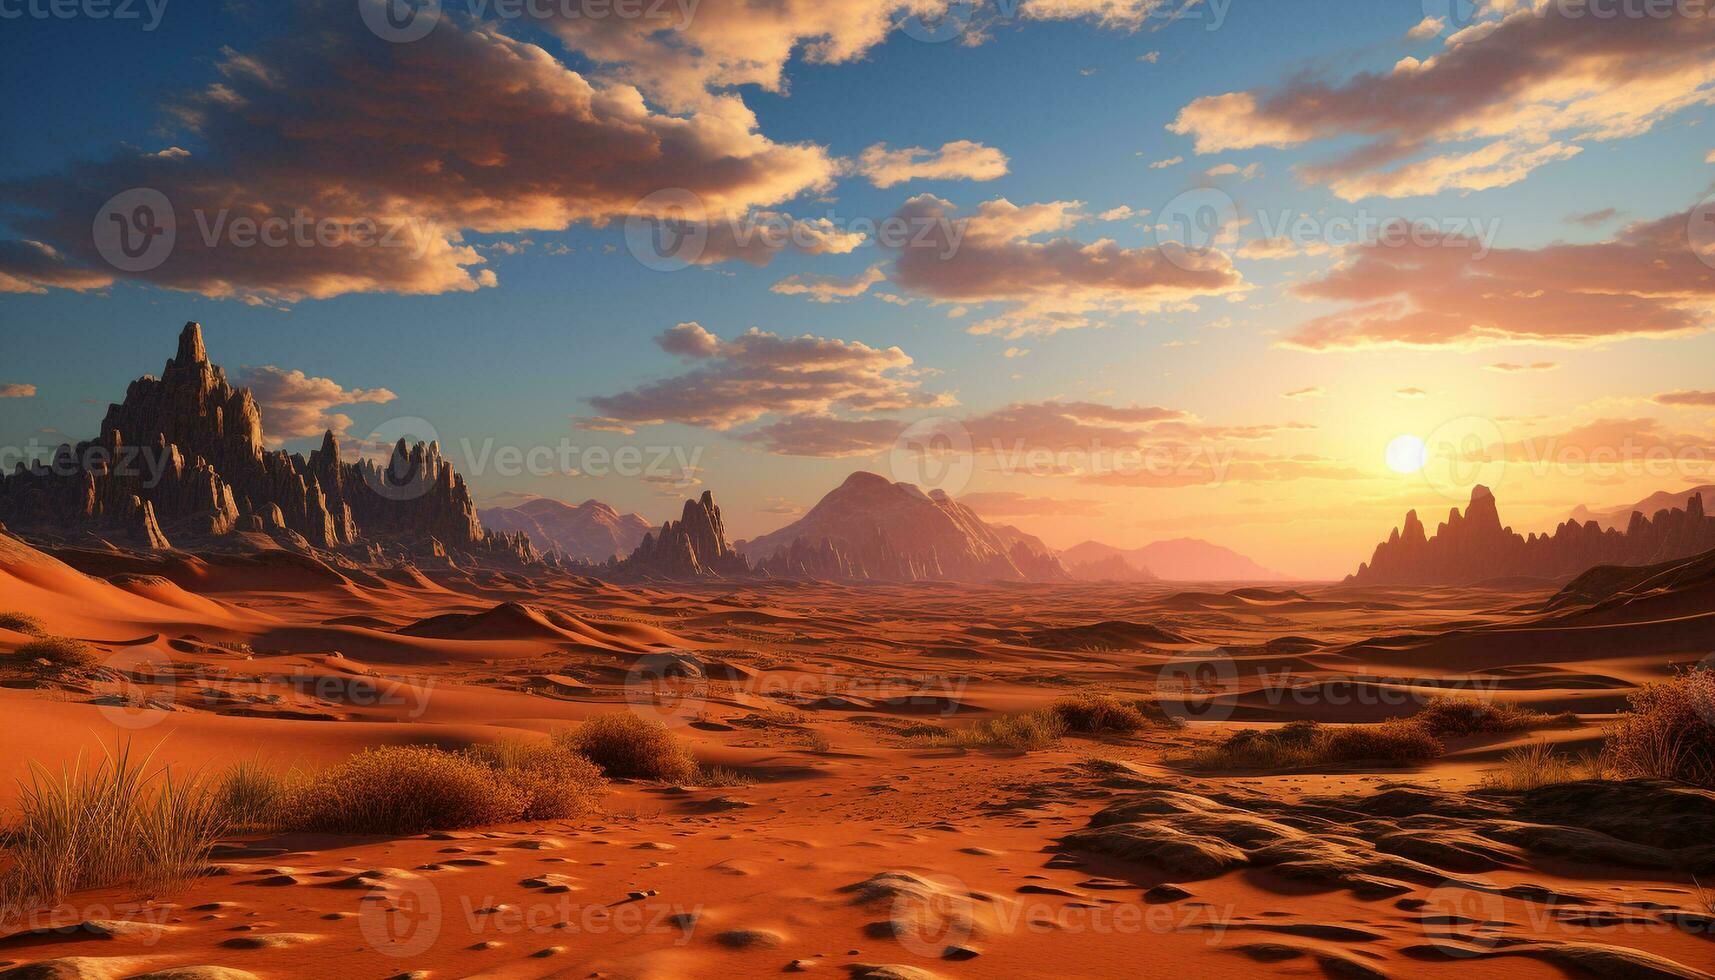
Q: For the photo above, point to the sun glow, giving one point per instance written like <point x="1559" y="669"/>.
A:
<point x="1407" y="454"/>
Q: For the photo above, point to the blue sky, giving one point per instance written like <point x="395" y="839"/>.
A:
<point x="1080" y="103"/>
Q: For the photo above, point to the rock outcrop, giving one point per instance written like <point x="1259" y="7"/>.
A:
<point x="182" y="460"/>
<point x="694" y="546"/>
<point x="869" y="528"/>
<point x="1473" y="546"/>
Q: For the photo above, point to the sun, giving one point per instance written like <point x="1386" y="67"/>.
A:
<point x="1407" y="454"/>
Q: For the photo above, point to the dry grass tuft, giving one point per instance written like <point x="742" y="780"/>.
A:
<point x="1104" y="714"/>
<point x="1669" y="733"/>
<point x="1537" y="764"/>
<point x="24" y="623"/>
<point x="1021" y="732"/>
<point x="256" y="799"/>
<point x="1454" y="717"/>
<point x="1306" y="743"/>
<point x="60" y="653"/>
<point x="627" y="746"/>
<point x="113" y="825"/>
<point x="557" y="782"/>
<point x="408" y="789"/>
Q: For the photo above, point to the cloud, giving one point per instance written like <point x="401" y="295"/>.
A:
<point x="1164" y="164"/>
<point x="1429" y="290"/>
<point x="1006" y="503"/>
<point x="297" y="406"/>
<point x="17" y="391"/>
<point x="1592" y="218"/>
<point x="758" y="374"/>
<point x="1247" y="172"/>
<point x="1150" y="57"/>
<point x="1509" y="367"/>
<point x="1613" y="447"/>
<point x="1123" y="212"/>
<point x="466" y="130"/>
<point x="825" y="437"/>
<point x="1411" y="393"/>
<point x="781" y="505"/>
<point x="998" y="255"/>
<point x="830" y="289"/>
<point x="1281" y="247"/>
<point x="1701" y="399"/>
<point x="1526" y="89"/>
<point x="1426" y="28"/>
<point x="1300" y="393"/>
<point x="958" y="160"/>
<point x="33" y="267"/>
<point x="757" y="237"/>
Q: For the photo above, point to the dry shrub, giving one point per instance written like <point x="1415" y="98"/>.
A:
<point x="60" y="653"/>
<point x="116" y="824"/>
<point x="256" y="799"/>
<point x="409" y="789"/>
<point x="556" y="781"/>
<point x="24" y="623"/>
<point x="1019" y="732"/>
<point x="1104" y="714"/>
<point x="625" y="745"/>
<point x="1453" y="717"/>
<point x="1306" y="743"/>
<point x="1537" y="764"/>
<point x="1669" y="733"/>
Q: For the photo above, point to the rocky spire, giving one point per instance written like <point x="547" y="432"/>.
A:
<point x="191" y="349"/>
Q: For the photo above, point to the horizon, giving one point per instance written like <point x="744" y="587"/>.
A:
<point x="1156" y="295"/>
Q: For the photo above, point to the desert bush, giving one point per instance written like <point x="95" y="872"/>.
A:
<point x="115" y="824"/>
<point x="1536" y="765"/>
<point x="556" y="781"/>
<point x="1023" y="731"/>
<point x="1306" y="743"/>
<point x="625" y="745"/>
<point x="1453" y="717"/>
<point x="406" y="789"/>
<point x="1669" y="731"/>
<point x="60" y="653"/>
<point x="722" y="776"/>
<point x="1105" y="714"/>
<point x="256" y="799"/>
<point x="24" y="623"/>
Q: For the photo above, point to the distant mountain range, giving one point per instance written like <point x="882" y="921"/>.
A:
<point x="589" y="532"/>
<point x="1474" y="547"/>
<point x="872" y="528"/>
<point x="1179" y="560"/>
<point x="1620" y="517"/>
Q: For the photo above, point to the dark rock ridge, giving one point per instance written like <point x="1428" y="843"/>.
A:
<point x="869" y="528"/>
<point x="589" y="532"/>
<point x="181" y="459"/>
<point x="1474" y="547"/>
<point x="694" y="546"/>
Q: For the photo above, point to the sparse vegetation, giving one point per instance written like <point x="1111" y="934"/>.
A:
<point x="817" y="742"/>
<point x="1306" y="743"/>
<point x="407" y="789"/>
<point x="625" y="745"/>
<point x="60" y="653"/>
<point x="24" y="623"/>
<point x="1669" y="733"/>
<point x="1537" y="764"/>
<point x="1023" y="731"/>
<point x="1105" y="714"/>
<point x="557" y="782"/>
<point x="256" y="799"/>
<point x="1454" y="717"/>
<point x="115" y="824"/>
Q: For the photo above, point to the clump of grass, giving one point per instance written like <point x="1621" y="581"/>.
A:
<point x="1023" y="731"/>
<point x="115" y="824"/>
<point x="24" y="623"/>
<point x="721" y="776"/>
<point x="818" y="743"/>
<point x="1536" y="765"/>
<point x="1669" y="733"/>
<point x="408" y="789"/>
<point x="1306" y="743"/>
<point x="625" y="745"/>
<point x="1453" y="717"/>
<point x="256" y="799"/>
<point x="557" y="782"/>
<point x="60" y="653"/>
<point x="1104" y="714"/>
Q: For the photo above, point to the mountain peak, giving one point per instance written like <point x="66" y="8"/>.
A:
<point x="191" y="349"/>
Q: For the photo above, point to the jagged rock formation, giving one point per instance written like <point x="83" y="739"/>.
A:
<point x="181" y="460"/>
<point x="590" y="532"/>
<point x="872" y="529"/>
<point x="1473" y="546"/>
<point x="695" y="546"/>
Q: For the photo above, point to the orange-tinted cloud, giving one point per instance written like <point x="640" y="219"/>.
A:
<point x="824" y="436"/>
<point x="296" y="406"/>
<point x="1442" y="291"/>
<point x="17" y="391"/>
<point x="1525" y="88"/>
<point x="830" y="289"/>
<point x="958" y="160"/>
<point x="1700" y="399"/>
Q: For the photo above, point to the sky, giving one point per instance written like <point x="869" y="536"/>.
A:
<point x="1263" y="272"/>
